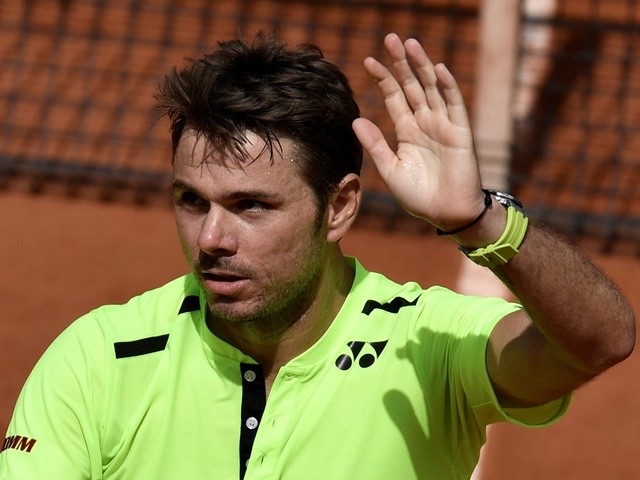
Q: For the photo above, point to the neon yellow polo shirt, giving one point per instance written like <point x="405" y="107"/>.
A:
<point x="396" y="388"/>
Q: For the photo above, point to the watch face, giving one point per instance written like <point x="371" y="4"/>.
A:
<point x="506" y="199"/>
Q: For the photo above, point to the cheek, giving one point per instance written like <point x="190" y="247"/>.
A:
<point x="274" y="251"/>
<point x="292" y="250"/>
<point x="188" y="237"/>
<point x="288" y="238"/>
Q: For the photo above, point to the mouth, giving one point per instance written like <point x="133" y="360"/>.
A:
<point x="223" y="283"/>
<point x="221" y="276"/>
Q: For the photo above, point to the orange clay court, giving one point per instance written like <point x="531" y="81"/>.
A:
<point x="62" y="257"/>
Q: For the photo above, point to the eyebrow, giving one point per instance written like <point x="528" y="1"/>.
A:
<point x="179" y="184"/>
<point x="238" y="194"/>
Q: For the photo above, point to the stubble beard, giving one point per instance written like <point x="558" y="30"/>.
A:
<point x="279" y="307"/>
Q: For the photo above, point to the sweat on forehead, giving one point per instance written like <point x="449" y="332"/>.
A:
<point x="239" y="152"/>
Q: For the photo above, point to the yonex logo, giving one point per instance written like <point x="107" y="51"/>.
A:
<point x="365" y="358"/>
<point x="18" y="442"/>
<point x="392" y="306"/>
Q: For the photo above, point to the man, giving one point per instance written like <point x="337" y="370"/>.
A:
<point x="278" y="357"/>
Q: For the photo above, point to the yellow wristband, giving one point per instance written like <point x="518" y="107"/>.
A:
<point x="506" y="247"/>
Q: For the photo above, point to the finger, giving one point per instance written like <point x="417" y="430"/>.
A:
<point x="456" y="109"/>
<point x="413" y="89"/>
<point x="425" y="70"/>
<point x="375" y="145"/>
<point x="394" y="98"/>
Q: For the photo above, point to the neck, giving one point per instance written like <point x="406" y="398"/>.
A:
<point x="274" y="342"/>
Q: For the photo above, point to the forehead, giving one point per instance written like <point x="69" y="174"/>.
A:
<point x="198" y="149"/>
<point x="195" y="157"/>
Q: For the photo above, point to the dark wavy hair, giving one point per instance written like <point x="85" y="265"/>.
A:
<point x="275" y="92"/>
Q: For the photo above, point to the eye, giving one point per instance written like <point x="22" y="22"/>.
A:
<point x="251" y="205"/>
<point x="189" y="199"/>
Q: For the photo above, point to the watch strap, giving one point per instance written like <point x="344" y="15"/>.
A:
<point x="507" y="246"/>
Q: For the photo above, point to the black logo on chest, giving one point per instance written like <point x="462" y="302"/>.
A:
<point x="364" y="353"/>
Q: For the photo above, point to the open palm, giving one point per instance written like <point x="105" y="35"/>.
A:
<point x="434" y="172"/>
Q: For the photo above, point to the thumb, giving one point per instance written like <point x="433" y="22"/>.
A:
<point x="374" y="143"/>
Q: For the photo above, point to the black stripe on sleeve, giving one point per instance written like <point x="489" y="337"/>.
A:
<point x="142" y="346"/>
<point x="392" y="307"/>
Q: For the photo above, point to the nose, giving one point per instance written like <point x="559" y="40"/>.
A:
<point x="217" y="237"/>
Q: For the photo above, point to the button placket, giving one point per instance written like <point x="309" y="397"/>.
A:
<point x="277" y="421"/>
<point x="252" y="423"/>
<point x="252" y="409"/>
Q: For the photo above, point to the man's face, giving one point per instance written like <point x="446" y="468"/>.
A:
<point x="249" y="233"/>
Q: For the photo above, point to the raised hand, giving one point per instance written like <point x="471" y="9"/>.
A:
<point x="434" y="172"/>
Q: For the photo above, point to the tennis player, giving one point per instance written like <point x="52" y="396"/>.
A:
<point x="277" y="357"/>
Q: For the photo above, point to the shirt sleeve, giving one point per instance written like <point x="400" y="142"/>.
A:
<point x="462" y="325"/>
<point x="53" y="432"/>
<point x="452" y="334"/>
<point x="481" y="394"/>
<point x="480" y="316"/>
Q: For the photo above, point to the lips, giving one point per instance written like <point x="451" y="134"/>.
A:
<point x="223" y="283"/>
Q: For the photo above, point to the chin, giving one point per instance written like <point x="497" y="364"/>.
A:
<point x="230" y="310"/>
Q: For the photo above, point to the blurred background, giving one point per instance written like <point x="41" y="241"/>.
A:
<point x="553" y="90"/>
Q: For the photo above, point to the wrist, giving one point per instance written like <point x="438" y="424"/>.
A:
<point x="486" y="231"/>
<point x="487" y="203"/>
<point x="506" y="246"/>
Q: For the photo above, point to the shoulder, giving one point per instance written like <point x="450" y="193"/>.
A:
<point x="83" y="356"/>
<point x="80" y="381"/>
<point x="433" y="305"/>
<point x="434" y="322"/>
<point x="463" y="314"/>
<point x="150" y="314"/>
<point x="153" y="309"/>
<point x="373" y="291"/>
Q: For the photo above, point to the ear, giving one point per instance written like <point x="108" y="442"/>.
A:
<point x="343" y="207"/>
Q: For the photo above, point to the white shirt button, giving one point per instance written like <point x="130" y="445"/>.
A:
<point x="252" y="423"/>
<point x="250" y="375"/>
